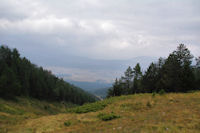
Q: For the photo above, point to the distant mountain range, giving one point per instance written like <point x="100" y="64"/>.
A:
<point x="102" y="92"/>
<point x="95" y="70"/>
<point x="97" y="88"/>
<point x="91" y="86"/>
<point x="100" y="69"/>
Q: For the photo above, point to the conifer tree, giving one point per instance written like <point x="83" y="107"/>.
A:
<point x="137" y="79"/>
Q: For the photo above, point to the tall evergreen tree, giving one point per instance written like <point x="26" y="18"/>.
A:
<point x="117" y="90"/>
<point x="137" y="79"/>
<point x="196" y="70"/>
<point x="128" y="75"/>
<point x="177" y="70"/>
<point x="150" y="78"/>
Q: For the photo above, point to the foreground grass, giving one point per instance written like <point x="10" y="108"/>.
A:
<point x="15" y="112"/>
<point x="141" y="113"/>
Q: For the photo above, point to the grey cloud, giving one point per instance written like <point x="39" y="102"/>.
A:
<point x="98" y="30"/>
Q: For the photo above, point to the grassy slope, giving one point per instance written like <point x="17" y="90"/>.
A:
<point x="139" y="113"/>
<point x="22" y="109"/>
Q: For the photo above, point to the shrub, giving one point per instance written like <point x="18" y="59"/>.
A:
<point x="154" y="94"/>
<point x="162" y="92"/>
<point x="67" y="123"/>
<point x="107" y="117"/>
<point x="149" y="104"/>
<point x="92" y="107"/>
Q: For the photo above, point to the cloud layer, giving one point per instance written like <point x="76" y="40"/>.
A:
<point x="99" y="29"/>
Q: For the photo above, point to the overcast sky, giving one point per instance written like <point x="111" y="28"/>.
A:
<point x="59" y="34"/>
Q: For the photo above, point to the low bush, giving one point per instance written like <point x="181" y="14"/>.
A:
<point x="162" y="92"/>
<point x="107" y="117"/>
<point x="92" y="107"/>
<point x="154" y="94"/>
<point x="149" y="104"/>
<point x="67" y="123"/>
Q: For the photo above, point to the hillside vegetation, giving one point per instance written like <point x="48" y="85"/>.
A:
<point x="19" y="77"/>
<point x="176" y="73"/>
<point x="139" y="113"/>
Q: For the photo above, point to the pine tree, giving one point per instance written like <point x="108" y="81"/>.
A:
<point x="150" y="78"/>
<point x="196" y="71"/>
<point x="177" y="70"/>
<point x="128" y="75"/>
<point x="137" y="79"/>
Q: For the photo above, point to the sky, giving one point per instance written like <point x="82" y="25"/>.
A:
<point x="95" y="40"/>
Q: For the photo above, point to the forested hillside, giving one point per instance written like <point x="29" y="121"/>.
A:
<point x="19" y="77"/>
<point x="173" y="74"/>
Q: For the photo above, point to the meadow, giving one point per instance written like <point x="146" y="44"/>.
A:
<point x="139" y="113"/>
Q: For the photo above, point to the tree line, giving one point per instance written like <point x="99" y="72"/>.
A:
<point x="173" y="74"/>
<point x="19" y="77"/>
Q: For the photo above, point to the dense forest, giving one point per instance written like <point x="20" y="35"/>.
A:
<point x="19" y="77"/>
<point x="173" y="74"/>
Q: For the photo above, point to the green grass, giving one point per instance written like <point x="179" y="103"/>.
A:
<point x="139" y="113"/>
<point x="11" y="110"/>
<point x="16" y="111"/>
